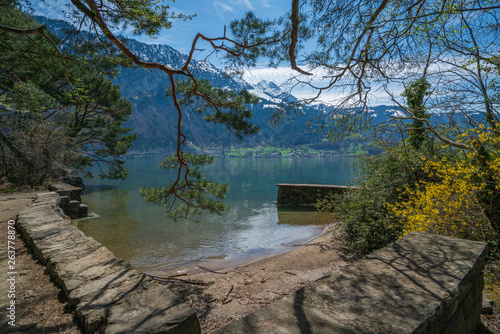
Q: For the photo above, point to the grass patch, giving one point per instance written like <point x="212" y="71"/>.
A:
<point x="285" y="152"/>
<point x="493" y="290"/>
<point x="7" y="190"/>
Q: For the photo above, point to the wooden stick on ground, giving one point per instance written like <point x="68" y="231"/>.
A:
<point x="223" y="301"/>
<point x="212" y="271"/>
<point x="161" y="279"/>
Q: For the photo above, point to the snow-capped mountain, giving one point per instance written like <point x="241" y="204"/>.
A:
<point x="172" y="58"/>
<point x="164" y="54"/>
<point x="154" y="118"/>
<point x="271" y="92"/>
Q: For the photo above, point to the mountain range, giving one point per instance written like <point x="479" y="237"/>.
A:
<point x="154" y="118"/>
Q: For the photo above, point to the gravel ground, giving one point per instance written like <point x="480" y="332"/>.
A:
<point x="38" y="306"/>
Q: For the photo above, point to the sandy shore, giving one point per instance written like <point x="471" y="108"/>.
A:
<point x="220" y="296"/>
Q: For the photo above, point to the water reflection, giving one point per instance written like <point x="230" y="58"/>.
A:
<point x="98" y="187"/>
<point x="118" y="233"/>
<point x="140" y="232"/>
<point x="304" y="217"/>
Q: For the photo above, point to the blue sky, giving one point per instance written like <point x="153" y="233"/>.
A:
<point x="211" y="17"/>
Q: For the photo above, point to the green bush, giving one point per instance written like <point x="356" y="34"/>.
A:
<point x="365" y="220"/>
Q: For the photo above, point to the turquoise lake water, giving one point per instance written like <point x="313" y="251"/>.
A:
<point x="141" y="234"/>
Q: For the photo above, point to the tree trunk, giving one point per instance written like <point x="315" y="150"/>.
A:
<point x="489" y="197"/>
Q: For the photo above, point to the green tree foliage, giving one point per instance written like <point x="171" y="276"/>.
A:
<point x="192" y="193"/>
<point x="365" y="219"/>
<point x="57" y="110"/>
<point x="415" y="94"/>
<point x="149" y="17"/>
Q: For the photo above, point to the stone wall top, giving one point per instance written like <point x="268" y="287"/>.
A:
<point x="422" y="283"/>
<point x="61" y="186"/>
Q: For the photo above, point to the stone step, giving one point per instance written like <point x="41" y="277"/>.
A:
<point x="76" y="210"/>
<point x="64" y="201"/>
<point x="64" y="189"/>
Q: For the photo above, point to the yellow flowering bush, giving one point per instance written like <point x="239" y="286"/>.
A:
<point x="455" y="202"/>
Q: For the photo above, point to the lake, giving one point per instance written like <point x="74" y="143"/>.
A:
<point x="141" y="234"/>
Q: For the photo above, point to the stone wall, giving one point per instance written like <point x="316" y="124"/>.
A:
<point x="108" y="295"/>
<point x="305" y="195"/>
<point x="422" y="283"/>
<point x="70" y="199"/>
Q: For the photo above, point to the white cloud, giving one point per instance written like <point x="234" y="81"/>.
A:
<point x="219" y="5"/>
<point x="281" y="77"/>
<point x="246" y="3"/>
<point x="266" y="3"/>
<point x="221" y="8"/>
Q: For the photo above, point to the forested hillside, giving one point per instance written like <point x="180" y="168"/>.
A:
<point x="153" y="114"/>
<point x="59" y="110"/>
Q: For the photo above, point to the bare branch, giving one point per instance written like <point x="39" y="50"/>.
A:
<point x="430" y="127"/>
<point x="294" y="35"/>
<point x="25" y="32"/>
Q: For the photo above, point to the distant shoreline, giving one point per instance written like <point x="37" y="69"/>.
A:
<point x="140" y="155"/>
<point x="303" y="151"/>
